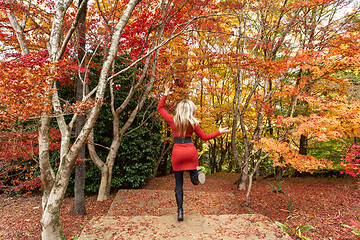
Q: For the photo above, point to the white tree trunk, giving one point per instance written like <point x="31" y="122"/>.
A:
<point x="106" y="168"/>
<point x="50" y="219"/>
<point x="244" y="175"/>
<point x="50" y="224"/>
<point x="19" y="32"/>
<point x="103" y="167"/>
<point x="47" y="175"/>
<point x="105" y="184"/>
<point x="255" y="169"/>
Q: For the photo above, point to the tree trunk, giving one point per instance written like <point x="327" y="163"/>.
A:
<point x="303" y="145"/>
<point x="105" y="184"/>
<point x="50" y="219"/>
<point x="163" y="167"/>
<point x="231" y="165"/>
<point x="118" y="131"/>
<point x="278" y="173"/>
<point x="212" y="157"/>
<point x="50" y="224"/>
<point x="255" y="170"/>
<point x="223" y="153"/>
<point x="221" y="162"/>
<point x="244" y="175"/>
<point x="47" y="175"/>
<point x="19" y="32"/>
<point x="161" y="163"/>
<point x="302" y="151"/>
<point x="79" y="202"/>
<point x="236" y="113"/>
<point x="247" y="198"/>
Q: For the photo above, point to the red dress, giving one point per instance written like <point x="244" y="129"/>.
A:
<point x="184" y="155"/>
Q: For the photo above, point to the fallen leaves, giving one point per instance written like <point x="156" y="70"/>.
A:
<point x="320" y="202"/>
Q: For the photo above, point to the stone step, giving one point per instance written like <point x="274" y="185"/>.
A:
<point x="229" y="226"/>
<point x="162" y="202"/>
<point x="152" y="214"/>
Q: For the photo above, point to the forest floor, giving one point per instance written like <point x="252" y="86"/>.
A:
<point x="324" y="203"/>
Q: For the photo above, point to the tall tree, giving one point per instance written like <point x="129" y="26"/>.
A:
<point x="166" y="21"/>
<point x="258" y="55"/>
<point x="54" y="184"/>
<point x="64" y="19"/>
<point x="81" y="90"/>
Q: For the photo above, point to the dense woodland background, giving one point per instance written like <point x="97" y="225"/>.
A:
<point x="80" y="82"/>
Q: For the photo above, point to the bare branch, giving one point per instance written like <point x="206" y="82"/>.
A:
<point x="159" y="46"/>
<point x="71" y="30"/>
<point x="19" y="32"/>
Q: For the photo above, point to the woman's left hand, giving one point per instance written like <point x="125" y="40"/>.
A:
<point x="167" y="89"/>
<point x="224" y="130"/>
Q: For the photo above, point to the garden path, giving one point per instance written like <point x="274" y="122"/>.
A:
<point x="151" y="214"/>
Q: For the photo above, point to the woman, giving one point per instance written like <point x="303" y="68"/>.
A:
<point x="184" y="154"/>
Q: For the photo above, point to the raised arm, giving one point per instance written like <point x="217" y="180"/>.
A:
<point x="206" y="137"/>
<point x="167" y="116"/>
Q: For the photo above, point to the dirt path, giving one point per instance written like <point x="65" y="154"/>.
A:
<point x="149" y="214"/>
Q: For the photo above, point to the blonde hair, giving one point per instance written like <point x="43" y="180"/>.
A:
<point x="184" y="117"/>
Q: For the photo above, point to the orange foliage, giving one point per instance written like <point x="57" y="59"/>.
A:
<point x="333" y="119"/>
<point x="25" y="86"/>
<point x="283" y="155"/>
<point x="24" y="89"/>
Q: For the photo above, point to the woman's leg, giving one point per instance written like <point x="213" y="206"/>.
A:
<point x="179" y="181"/>
<point x="194" y="177"/>
<point x="197" y="176"/>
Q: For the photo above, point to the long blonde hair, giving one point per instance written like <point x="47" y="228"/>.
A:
<point x="184" y="117"/>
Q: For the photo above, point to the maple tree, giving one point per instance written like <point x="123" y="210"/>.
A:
<point x="334" y="111"/>
<point x="54" y="184"/>
<point x="275" y="54"/>
<point x="167" y="21"/>
<point x="265" y="55"/>
<point x="319" y="98"/>
<point x="24" y="95"/>
<point x="125" y="30"/>
<point x="189" y="65"/>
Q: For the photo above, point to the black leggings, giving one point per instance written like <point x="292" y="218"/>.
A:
<point x="179" y="179"/>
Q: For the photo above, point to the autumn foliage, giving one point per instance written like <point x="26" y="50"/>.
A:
<point x="19" y="158"/>
<point x="351" y="161"/>
<point x="273" y="71"/>
<point x="25" y="89"/>
<point x="284" y="155"/>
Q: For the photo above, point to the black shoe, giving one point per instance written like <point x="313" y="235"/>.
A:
<point x="179" y="202"/>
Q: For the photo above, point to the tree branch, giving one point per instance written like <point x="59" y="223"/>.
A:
<point x="71" y="30"/>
